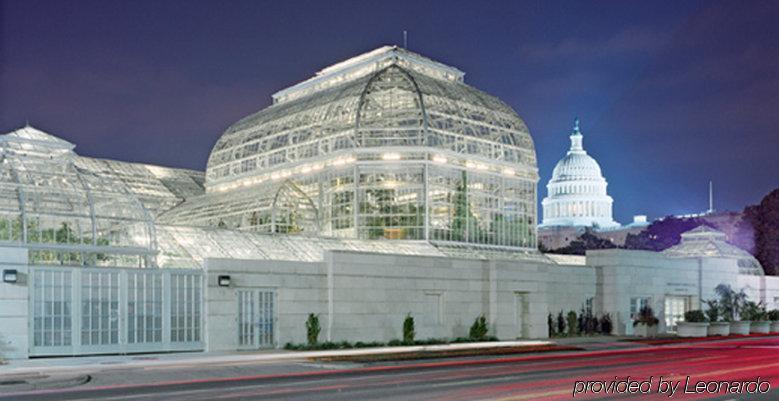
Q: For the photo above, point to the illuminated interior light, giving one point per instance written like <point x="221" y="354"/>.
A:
<point x="470" y="164"/>
<point x="439" y="159"/>
<point x="509" y="171"/>
<point x="391" y="156"/>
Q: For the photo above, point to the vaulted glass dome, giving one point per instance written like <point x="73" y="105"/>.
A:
<point x="64" y="214"/>
<point x="394" y="98"/>
<point x="388" y="144"/>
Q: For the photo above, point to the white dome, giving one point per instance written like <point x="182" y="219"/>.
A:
<point x="576" y="166"/>
<point x="577" y="191"/>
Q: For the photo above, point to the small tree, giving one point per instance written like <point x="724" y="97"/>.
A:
<point x="550" y="325"/>
<point x="561" y="324"/>
<point x="478" y="329"/>
<point x="408" y="329"/>
<point x="713" y="310"/>
<point x="731" y="302"/>
<point x="754" y="311"/>
<point x="572" y="323"/>
<point x="773" y="315"/>
<point x="312" y="329"/>
<point x="606" y="326"/>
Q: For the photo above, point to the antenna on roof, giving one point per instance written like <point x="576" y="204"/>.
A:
<point x="711" y="198"/>
<point x="405" y="39"/>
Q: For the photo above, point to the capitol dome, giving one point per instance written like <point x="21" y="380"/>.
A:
<point x="385" y="145"/>
<point x="577" y="191"/>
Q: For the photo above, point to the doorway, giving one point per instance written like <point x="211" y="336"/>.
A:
<point x="675" y="306"/>
<point x="256" y="319"/>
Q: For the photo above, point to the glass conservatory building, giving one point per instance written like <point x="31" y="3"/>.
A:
<point x="381" y="187"/>
<point x="386" y="145"/>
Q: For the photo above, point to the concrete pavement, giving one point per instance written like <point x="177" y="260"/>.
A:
<point x="529" y="377"/>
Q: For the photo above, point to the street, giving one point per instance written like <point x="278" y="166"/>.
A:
<point x="525" y="377"/>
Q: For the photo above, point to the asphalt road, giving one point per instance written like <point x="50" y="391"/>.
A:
<point x="533" y="377"/>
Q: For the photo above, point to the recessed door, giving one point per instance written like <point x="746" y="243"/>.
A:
<point x="675" y="306"/>
<point x="256" y="319"/>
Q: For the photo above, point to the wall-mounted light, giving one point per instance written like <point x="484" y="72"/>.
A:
<point x="10" y="276"/>
<point x="223" y="281"/>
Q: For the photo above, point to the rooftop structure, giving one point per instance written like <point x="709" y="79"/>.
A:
<point x="704" y="241"/>
<point x="386" y="145"/>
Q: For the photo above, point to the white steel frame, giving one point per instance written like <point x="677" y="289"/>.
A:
<point x="100" y="311"/>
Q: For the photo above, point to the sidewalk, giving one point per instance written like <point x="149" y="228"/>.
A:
<point x="89" y="364"/>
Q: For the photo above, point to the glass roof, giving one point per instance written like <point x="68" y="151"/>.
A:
<point x="704" y="241"/>
<point x="323" y="119"/>
<point x="73" y="210"/>
<point x="187" y="247"/>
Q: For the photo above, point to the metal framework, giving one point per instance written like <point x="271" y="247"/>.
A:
<point x="82" y="310"/>
<point x="387" y="145"/>
<point x="64" y="214"/>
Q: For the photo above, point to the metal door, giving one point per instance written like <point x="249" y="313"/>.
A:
<point x="99" y="311"/>
<point x="256" y="319"/>
<point x="52" y="310"/>
<point x="80" y="310"/>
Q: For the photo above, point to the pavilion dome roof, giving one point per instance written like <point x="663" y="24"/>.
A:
<point x="704" y="241"/>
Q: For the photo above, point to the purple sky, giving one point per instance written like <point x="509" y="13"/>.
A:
<point x="670" y="95"/>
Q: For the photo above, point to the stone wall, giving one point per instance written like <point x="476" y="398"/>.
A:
<point x="365" y="297"/>
<point x="14" y="305"/>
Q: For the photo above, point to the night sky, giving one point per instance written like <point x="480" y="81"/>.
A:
<point x="670" y="95"/>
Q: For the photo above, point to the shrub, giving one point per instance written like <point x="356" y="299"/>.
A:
<point x="694" y="316"/>
<point x="713" y="311"/>
<point x="312" y="329"/>
<point x="732" y="303"/>
<point x="395" y="343"/>
<point x="753" y="311"/>
<point x="561" y="324"/>
<point x="606" y="326"/>
<point x="773" y="315"/>
<point x="646" y="316"/>
<point x="408" y="329"/>
<point x="588" y="323"/>
<point x="550" y="325"/>
<point x="573" y="325"/>
<point x="478" y="329"/>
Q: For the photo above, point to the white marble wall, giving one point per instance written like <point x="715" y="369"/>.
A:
<point x="14" y="306"/>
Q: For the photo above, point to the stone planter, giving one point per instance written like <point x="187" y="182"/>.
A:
<point x="760" y="327"/>
<point x="775" y="327"/>
<point x="691" y="329"/>
<point x="740" y="327"/>
<point x="718" y="329"/>
<point x="642" y="330"/>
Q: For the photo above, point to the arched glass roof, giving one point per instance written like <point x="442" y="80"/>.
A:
<point x="63" y="213"/>
<point x="428" y="105"/>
